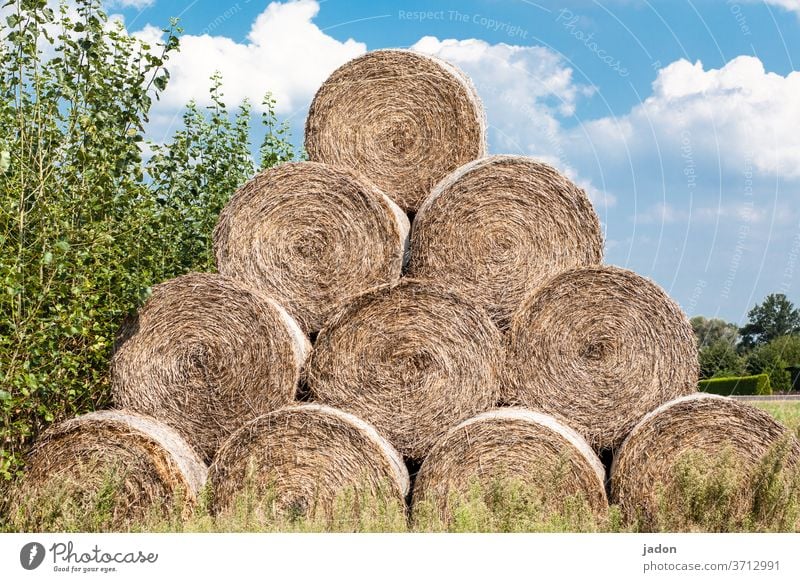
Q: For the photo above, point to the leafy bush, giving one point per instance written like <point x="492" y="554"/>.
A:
<point x="87" y="226"/>
<point x="720" y="359"/>
<point x="773" y="358"/>
<point x="741" y="385"/>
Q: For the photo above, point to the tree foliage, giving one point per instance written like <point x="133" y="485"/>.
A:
<point x="776" y="316"/>
<point x="86" y="225"/>
<point x="709" y="331"/>
<point x="773" y="358"/>
<point x="720" y="359"/>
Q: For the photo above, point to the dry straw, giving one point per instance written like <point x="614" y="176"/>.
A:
<point x="311" y="235"/>
<point x="499" y="227"/>
<point x="647" y="465"/>
<point x="412" y="358"/>
<point x="547" y="459"/>
<point x="600" y="347"/>
<point x="131" y="462"/>
<point x="205" y="355"/>
<point x="401" y="118"/>
<point x="304" y="459"/>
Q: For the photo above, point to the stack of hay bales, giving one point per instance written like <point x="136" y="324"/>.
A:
<point x="489" y="344"/>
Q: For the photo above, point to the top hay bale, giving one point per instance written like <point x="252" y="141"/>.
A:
<point x="412" y="359"/>
<point x="598" y="348"/>
<point x="711" y="463"/>
<point x="403" y="119"/>
<point x="310" y="235"/>
<point x="499" y="227"/>
<point x="109" y="468"/>
<point x="205" y="355"/>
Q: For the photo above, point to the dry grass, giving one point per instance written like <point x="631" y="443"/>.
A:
<point x="401" y="118"/>
<point x="205" y="355"/>
<point x="599" y="347"/>
<point x="787" y="412"/>
<point x="499" y="506"/>
<point x="412" y="359"/>
<point x="310" y="236"/>
<point x="499" y="227"/>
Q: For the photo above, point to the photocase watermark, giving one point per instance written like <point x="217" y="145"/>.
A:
<point x="687" y="156"/>
<point x="31" y="555"/>
<point x="791" y="263"/>
<point x="570" y="21"/>
<point x="741" y="19"/>
<point x="507" y="28"/>
<point x="747" y="215"/>
<point x="223" y="17"/>
<point x="531" y="113"/>
<point x="65" y="557"/>
<point x="697" y="292"/>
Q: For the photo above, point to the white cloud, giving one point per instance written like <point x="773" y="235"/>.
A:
<point x="791" y="5"/>
<point x="138" y="4"/>
<point x="285" y="53"/>
<point x="737" y="116"/>
<point x="526" y="91"/>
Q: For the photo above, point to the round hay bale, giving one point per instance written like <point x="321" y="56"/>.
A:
<point x="650" y="477"/>
<point x="412" y="358"/>
<point x="401" y="118"/>
<point x="600" y="347"/>
<point x="310" y="235"/>
<point x="304" y="460"/>
<point x="497" y="228"/>
<point x="543" y="460"/>
<point x="115" y="465"/>
<point x="205" y="355"/>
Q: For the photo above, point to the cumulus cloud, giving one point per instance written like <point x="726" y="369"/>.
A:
<point x="526" y="91"/>
<point x="739" y="115"/>
<point x="285" y="53"/>
<point x="138" y="4"/>
<point x="791" y="5"/>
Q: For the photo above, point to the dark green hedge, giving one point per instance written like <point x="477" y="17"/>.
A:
<point x="740" y="385"/>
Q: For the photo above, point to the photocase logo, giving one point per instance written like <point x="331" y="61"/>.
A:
<point x="31" y="555"/>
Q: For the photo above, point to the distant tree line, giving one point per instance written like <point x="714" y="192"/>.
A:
<point x="768" y="343"/>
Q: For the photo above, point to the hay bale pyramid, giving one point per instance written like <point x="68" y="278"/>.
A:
<point x="461" y="318"/>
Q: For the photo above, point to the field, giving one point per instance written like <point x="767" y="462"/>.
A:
<point x="785" y="411"/>
<point x="700" y="498"/>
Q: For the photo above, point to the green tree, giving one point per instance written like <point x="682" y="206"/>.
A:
<point x="194" y="174"/>
<point x="276" y="147"/>
<point x="773" y="318"/>
<point x="720" y="359"/>
<point x="84" y="233"/>
<point x="773" y="358"/>
<point x="74" y="207"/>
<point x="709" y="331"/>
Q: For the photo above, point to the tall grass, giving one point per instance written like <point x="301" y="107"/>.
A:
<point x="787" y="412"/>
<point x="710" y="494"/>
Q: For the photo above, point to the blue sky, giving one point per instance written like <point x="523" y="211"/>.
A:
<point x="680" y="118"/>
